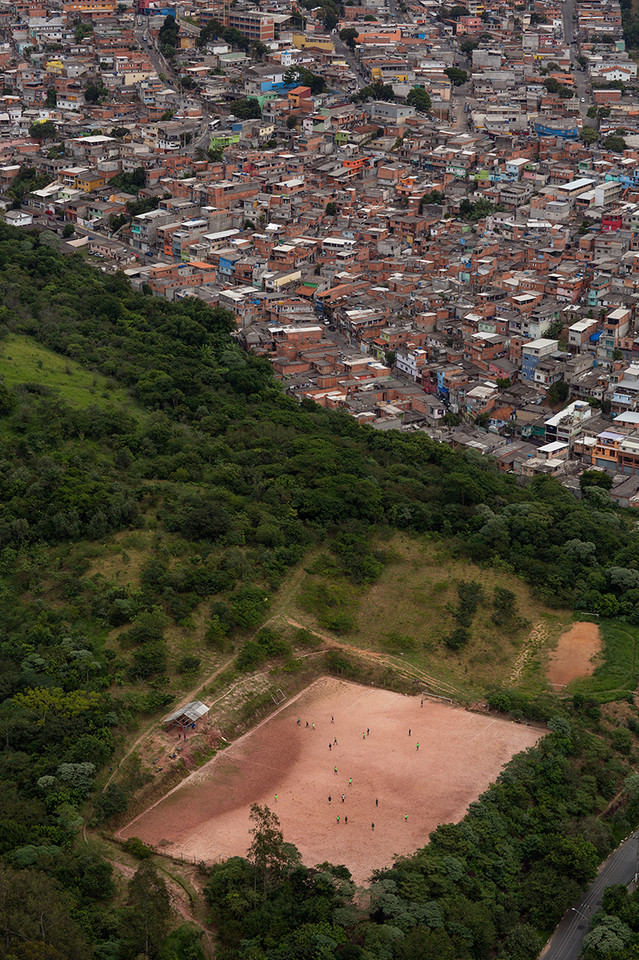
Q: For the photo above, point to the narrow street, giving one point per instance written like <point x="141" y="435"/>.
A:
<point x="567" y="940"/>
<point x="201" y="136"/>
<point x="580" y="76"/>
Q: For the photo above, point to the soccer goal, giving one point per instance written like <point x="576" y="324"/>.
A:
<point x="278" y="697"/>
<point x="436" y="696"/>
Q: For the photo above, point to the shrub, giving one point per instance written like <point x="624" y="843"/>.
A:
<point x="137" y="848"/>
<point x="189" y="664"/>
<point x="111" y="801"/>
<point x="499" y="701"/>
<point x="395" y="641"/>
<point x="457" y="639"/>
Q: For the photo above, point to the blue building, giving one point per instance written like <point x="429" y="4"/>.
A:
<point x="531" y="355"/>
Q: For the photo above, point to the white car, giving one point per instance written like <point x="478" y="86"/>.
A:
<point x="583" y="99"/>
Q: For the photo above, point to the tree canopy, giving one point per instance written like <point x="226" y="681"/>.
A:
<point x="420" y="99"/>
<point x="456" y="76"/>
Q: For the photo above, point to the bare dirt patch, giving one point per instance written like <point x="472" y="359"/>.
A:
<point x="575" y="654"/>
<point x="290" y="768"/>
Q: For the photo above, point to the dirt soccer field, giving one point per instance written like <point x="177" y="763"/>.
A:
<point x="460" y="753"/>
<point x="575" y="654"/>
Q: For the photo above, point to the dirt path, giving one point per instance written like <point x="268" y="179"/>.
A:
<point x="181" y="901"/>
<point x="535" y="639"/>
<point x="409" y="671"/>
<point x="191" y="695"/>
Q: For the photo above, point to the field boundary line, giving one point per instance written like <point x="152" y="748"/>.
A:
<point x="197" y="774"/>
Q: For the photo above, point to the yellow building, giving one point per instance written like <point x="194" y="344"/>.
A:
<point x="91" y="180"/>
<point x="89" y="8"/>
<point x="55" y="66"/>
<point x="301" y="42"/>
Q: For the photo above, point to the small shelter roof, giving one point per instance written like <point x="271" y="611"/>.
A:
<point x="191" y="712"/>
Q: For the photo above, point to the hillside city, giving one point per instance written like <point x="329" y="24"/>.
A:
<point x="427" y="216"/>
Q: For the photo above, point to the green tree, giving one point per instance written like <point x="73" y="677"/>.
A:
<point x="595" y="478"/>
<point x="331" y="209"/>
<point x="43" y="130"/>
<point x="149" y="901"/>
<point x="615" y="144"/>
<point x="456" y="76"/>
<point x="267" y="851"/>
<point x="349" y="36"/>
<point x="589" y="135"/>
<point x="52" y="97"/>
<point x="330" y="19"/>
<point x="375" y="91"/>
<point x="468" y="44"/>
<point x="129" y="182"/>
<point x="95" y="92"/>
<point x="558" y="392"/>
<point x="36" y="917"/>
<point x="434" y="197"/>
<point x="302" y="76"/>
<point x="82" y="30"/>
<point x="419" y="99"/>
<point x="183" y="943"/>
<point x="168" y="34"/>
<point x="610" y="937"/>
<point x="247" y="108"/>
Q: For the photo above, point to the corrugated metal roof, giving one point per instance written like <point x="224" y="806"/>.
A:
<point x="192" y="711"/>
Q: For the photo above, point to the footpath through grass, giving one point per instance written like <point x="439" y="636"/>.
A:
<point x="409" y="611"/>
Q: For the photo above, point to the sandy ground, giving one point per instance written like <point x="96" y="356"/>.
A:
<point x="574" y="656"/>
<point x="290" y="768"/>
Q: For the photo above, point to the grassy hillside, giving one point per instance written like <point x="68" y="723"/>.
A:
<point x="23" y="361"/>
<point x="409" y="611"/>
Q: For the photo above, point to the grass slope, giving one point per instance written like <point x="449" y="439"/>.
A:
<point x="407" y="614"/>
<point x="618" y="673"/>
<point x="22" y="360"/>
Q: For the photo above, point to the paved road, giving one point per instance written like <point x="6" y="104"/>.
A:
<point x="580" y="76"/>
<point x="361" y="79"/>
<point x="566" y="941"/>
<point x="144" y="38"/>
<point x="201" y="134"/>
<point x="461" y="97"/>
<point x="356" y="67"/>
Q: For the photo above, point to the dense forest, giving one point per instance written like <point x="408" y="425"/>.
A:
<point x="190" y="435"/>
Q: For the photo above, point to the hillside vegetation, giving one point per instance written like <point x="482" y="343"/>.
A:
<point x="157" y="489"/>
<point x="410" y="612"/>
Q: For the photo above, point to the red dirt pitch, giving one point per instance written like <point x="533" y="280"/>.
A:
<point x="575" y="654"/>
<point x="460" y="753"/>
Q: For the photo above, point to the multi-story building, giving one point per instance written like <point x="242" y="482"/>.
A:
<point x="532" y="353"/>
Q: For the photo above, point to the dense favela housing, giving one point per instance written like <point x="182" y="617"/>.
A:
<point x="425" y="215"/>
